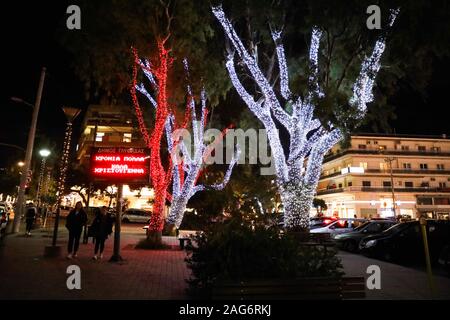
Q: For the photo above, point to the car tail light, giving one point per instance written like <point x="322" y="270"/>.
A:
<point x="327" y="221"/>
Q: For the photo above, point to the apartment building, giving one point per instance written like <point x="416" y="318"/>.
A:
<point x="378" y="174"/>
<point x="111" y="126"/>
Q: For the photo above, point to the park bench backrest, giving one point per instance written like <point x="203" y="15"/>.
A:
<point x="291" y="289"/>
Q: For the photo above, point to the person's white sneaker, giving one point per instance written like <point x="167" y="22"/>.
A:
<point x="69" y="256"/>
<point x="75" y="255"/>
<point x="94" y="257"/>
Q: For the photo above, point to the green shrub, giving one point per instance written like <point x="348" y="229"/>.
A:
<point x="236" y="250"/>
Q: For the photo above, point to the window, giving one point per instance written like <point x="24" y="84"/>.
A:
<point x="368" y="142"/>
<point x="366" y="183"/>
<point x="405" y="148"/>
<point x="409" y="184"/>
<point x="375" y="142"/>
<point x="423" y="166"/>
<point x="127" y="137"/>
<point x="383" y="166"/>
<point x="422" y="148"/>
<point x="432" y="179"/>
<point x="440" y="166"/>
<point x="361" y="146"/>
<point x="340" y="185"/>
<point x="349" y="183"/>
<point x="382" y="147"/>
<point x="386" y="184"/>
<point x="99" y="136"/>
<point x="442" y="185"/>
<point x="425" y="184"/>
<point x="442" y="201"/>
<point x="436" y="149"/>
<point x="363" y="165"/>
<point x="422" y="201"/>
<point x="407" y="166"/>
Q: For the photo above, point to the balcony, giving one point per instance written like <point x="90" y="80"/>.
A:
<point x="383" y="189"/>
<point x="394" y="172"/>
<point x="385" y="153"/>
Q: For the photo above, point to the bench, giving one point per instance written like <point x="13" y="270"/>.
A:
<point x="291" y="289"/>
<point x="184" y="236"/>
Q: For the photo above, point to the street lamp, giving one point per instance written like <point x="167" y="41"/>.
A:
<point x="44" y="154"/>
<point x="71" y="114"/>
<point x="29" y="151"/>
<point x="21" y="164"/>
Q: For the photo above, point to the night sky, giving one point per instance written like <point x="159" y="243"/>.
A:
<point x="29" y="42"/>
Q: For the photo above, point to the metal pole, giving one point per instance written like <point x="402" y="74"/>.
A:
<point x="423" y="226"/>
<point x="85" y="235"/>
<point x="29" y="152"/>
<point x="116" y="255"/>
<point x="389" y="160"/>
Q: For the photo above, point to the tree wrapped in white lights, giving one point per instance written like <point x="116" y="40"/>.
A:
<point x="185" y="167"/>
<point x="298" y="171"/>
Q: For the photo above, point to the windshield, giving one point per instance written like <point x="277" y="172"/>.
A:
<point x="363" y="226"/>
<point x="395" y="228"/>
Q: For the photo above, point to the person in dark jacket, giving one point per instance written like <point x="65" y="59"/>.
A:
<point x="75" y="221"/>
<point x="30" y="216"/>
<point x="101" y="229"/>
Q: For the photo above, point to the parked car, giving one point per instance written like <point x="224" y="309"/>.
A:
<point x="4" y="218"/>
<point x="319" y="222"/>
<point x="340" y="225"/>
<point x="136" y="215"/>
<point x="403" y="242"/>
<point x="350" y="240"/>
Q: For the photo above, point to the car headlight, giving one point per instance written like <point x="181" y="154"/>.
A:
<point x="337" y="236"/>
<point x="371" y="243"/>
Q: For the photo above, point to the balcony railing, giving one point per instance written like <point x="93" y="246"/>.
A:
<point x="386" y="152"/>
<point x="394" y="171"/>
<point x="383" y="189"/>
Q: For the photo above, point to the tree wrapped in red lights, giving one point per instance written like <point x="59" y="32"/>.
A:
<point x="184" y="168"/>
<point x="157" y="75"/>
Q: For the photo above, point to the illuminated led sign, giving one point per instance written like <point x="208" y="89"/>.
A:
<point x="126" y="165"/>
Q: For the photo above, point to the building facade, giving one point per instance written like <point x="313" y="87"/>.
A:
<point x="111" y="126"/>
<point x="378" y="174"/>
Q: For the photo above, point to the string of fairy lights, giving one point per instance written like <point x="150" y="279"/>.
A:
<point x="64" y="164"/>
<point x="186" y="168"/>
<point x="296" y="178"/>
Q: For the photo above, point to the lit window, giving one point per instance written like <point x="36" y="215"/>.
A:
<point x="99" y="136"/>
<point x="127" y="137"/>
<point x="363" y="165"/>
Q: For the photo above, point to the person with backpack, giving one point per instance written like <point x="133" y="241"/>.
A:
<point x="30" y="216"/>
<point x="75" y="222"/>
<point x="101" y="228"/>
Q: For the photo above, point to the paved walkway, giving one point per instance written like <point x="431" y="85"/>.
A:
<point x="145" y="274"/>
<point x="154" y="274"/>
<point x="397" y="282"/>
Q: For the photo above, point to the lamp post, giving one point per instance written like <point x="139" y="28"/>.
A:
<point x="71" y="114"/>
<point x="44" y="153"/>
<point x="394" y="205"/>
<point x="29" y="151"/>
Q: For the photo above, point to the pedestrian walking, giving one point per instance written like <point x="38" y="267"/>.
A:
<point x="101" y="228"/>
<point x="30" y="216"/>
<point x="75" y="222"/>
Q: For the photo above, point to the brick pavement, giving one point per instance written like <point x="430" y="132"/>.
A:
<point x="154" y="274"/>
<point x="145" y="274"/>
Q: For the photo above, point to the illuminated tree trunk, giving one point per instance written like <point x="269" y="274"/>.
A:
<point x="296" y="178"/>
<point x="158" y="78"/>
<point x="183" y="174"/>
